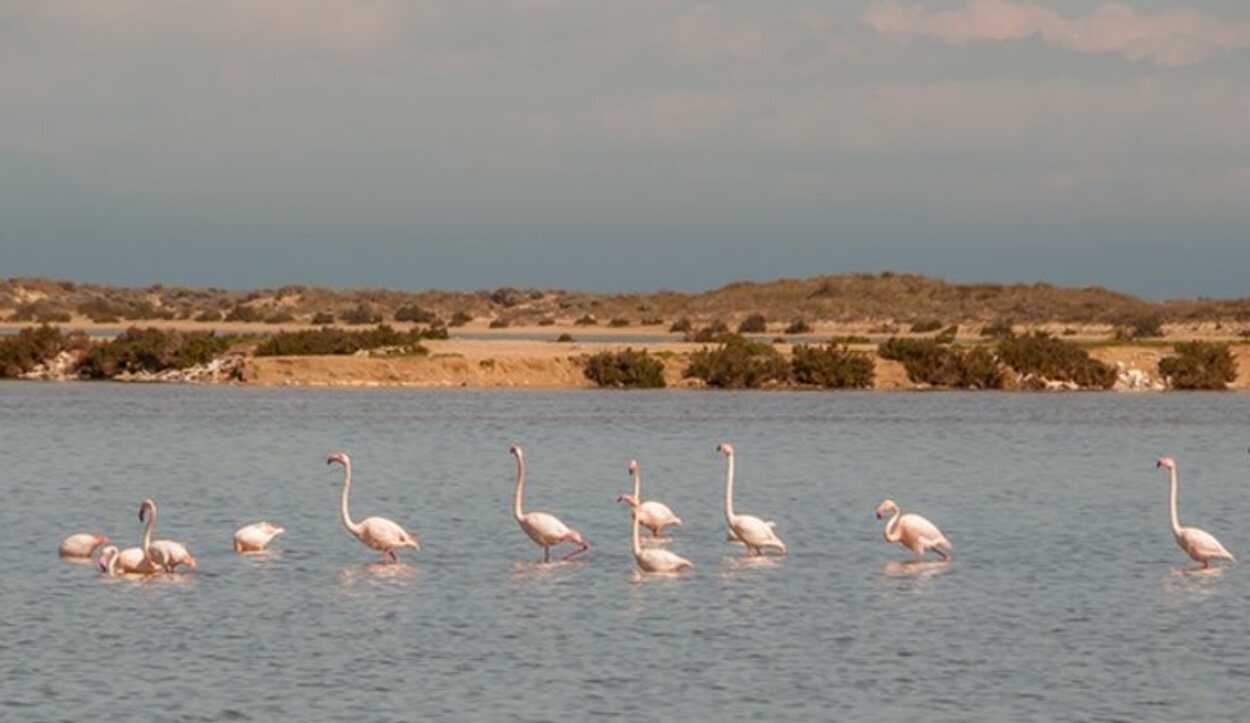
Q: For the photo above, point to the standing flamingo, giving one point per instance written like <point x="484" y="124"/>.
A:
<point x="751" y="531"/>
<point x="81" y="545"/>
<point x="1198" y="544"/>
<point x="654" y="516"/>
<point x="650" y="560"/>
<point x="913" y="532"/>
<point x="169" y="554"/>
<point x="378" y="533"/>
<point x="256" y="536"/>
<point x="544" y="529"/>
<point x="133" y="560"/>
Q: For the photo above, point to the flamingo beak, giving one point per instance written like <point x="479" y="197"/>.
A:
<point x="191" y="563"/>
<point x="142" y="509"/>
<point x="878" y="514"/>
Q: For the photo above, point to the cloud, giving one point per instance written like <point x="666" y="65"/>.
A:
<point x="1174" y="37"/>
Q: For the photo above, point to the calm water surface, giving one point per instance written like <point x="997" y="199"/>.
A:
<point x="1067" y="599"/>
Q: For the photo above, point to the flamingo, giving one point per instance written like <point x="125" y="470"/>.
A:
<point x="544" y="529"/>
<point x="913" y="532"/>
<point x="378" y="533"/>
<point x="654" y="516"/>
<point x="81" y="545"/>
<point x="169" y="554"/>
<point x="256" y="536"/>
<point x="751" y="531"/>
<point x="1198" y="544"/>
<point x="133" y="560"/>
<point x="650" y="560"/>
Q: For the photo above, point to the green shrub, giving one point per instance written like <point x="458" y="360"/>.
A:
<point x="738" y="363"/>
<point x="32" y="346"/>
<point x="1041" y="356"/>
<point x="925" y="326"/>
<point x="799" y="326"/>
<point x="627" y="369"/>
<point x="850" y="339"/>
<point x="151" y="350"/>
<point x="460" y="318"/>
<point x="681" y="326"/>
<point x="415" y="314"/>
<point x="832" y="367"/>
<point x="651" y="321"/>
<point x="362" y="313"/>
<point x="42" y="311"/>
<point x="332" y="341"/>
<point x="928" y="362"/>
<point x="716" y="331"/>
<point x="437" y="330"/>
<point x="565" y="338"/>
<point x="1146" y="326"/>
<point x="1200" y="365"/>
<point x="499" y="324"/>
<point x="753" y="324"/>
<point x="243" y="313"/>
<point x="546" y="321"/>
<point x="618" y="322"/>
<point x="101" y="310"/>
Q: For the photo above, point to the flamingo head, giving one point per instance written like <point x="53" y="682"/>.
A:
<point x="340" y="458"/>
<point x="725" y="448"/>
<point x="627" y="499"/>
<point x="515" y="451"/>
<point x="101" y="540"/>
<point x="146" y="507"/>
<point x="106" y="556"/>
<point x="885" y="507"/>
<point x="1166" y="462"/>
<point x="190" y="561"/>
<point x="633" y="466"/>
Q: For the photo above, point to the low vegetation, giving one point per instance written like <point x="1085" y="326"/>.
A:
<point x="939" y="365"/>
<point x="32" y="346"/>
<point x="716" y="331"/>
<point x="799" y="326"/>
<point x="332" y="341"/>
<point x="924" y="326"/>
<point x="738" y="364"/>
<point x="831" y="366"/>
<point x="1200" y="365"/>
<point x="625" y="369"/>
<point x="753" y="324"/>
<point x="150" y="350"/>
<point x="1039" y="357"/>
<point x="415" y="314"/>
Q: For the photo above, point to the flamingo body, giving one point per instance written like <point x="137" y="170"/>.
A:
<point x="377" y="533"/>
<point x="913" y="532"/>
<point x="256" y="536"/>
<point x="130" y="561"/>
<point x="171" y="554"/>
<point x="81" y="545"/>
<point x="653" y="515"/>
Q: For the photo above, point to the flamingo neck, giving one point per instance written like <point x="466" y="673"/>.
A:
<point x="344" y="515"/>
<point x="1176" y="524"/>
<point x="892" y="532"/>
<point x="519" y="493"/>
<point x="637" y="545"/>
<point x="148" y="526"/>
<point x="729" y="491"/>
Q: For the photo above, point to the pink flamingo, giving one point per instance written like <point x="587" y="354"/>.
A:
<point x="654" y="516"/>
<point x="751" y="531"/>
<point x="544" y="529"/>
<point x="169" y="554"/>
<point x="913" y="532"/>
<point x="1198" y="544"/>
<point x="256" y="536"/>
<point x="650" y="560"/>
<point x="378" y="533"/>
<point x="133" y="560"/>
<point x="81" y="545"/>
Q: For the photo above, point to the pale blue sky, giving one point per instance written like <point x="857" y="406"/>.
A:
<point x="631" y="145"/>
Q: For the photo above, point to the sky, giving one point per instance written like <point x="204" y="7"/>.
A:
<point x="613" y="146"/>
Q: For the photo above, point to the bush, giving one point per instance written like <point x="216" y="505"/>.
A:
<point x="1000" y="329"/>
<point x="279" y="317"/>
<point x="415" y="314"/>
<point x="1147" y="326"/>
<point x="507" y="296"/>
<point x="586" y="320"/>
<point x="618" y="322"/>
<point x="681" y="326"/>
<point x="738" y="364"/>
<point x="30" y="347"/>
<point x="753" y="324"/>
<point x="546" y="321"/>
<point x="928" y="362"/>
<point x="101" y="310"/>
<point x="151" y="350"/>
<point x="925" y="326"/>
<point x="331" y="341"/>
<point x="499" y="323"/>
<point x="243" y="313"/>
<point x="799" y="326"/>
<point x="208" y="316"/>
<point x="651" y="321"/>
<point x="363" y="313"/>
<point x="850" y="339"/>
<point x="322" y="318"/>
<point x="1200" y="365"/>
<point x="627" y="369"/>
<point x="437" y="330"/>
<point x="460" y="318"/>
<point x="565" y="338"/>
<point x="831" y="367"/>
<point x="42" y="311"/>
<point x="1043" y="357"/>
<point x="716" y="331"/>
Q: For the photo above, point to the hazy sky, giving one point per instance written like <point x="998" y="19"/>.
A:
<point x="626" y="145"/>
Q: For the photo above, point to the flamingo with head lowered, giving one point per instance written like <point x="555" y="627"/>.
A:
<point x="1198" y="544"/>
<point x="653" y="515"/>
<point x="256" y="536"/>
<point x="378" y="533"/>
<point x="650" y="560"/>
<point x="81" y="545"/>
<point x="544" y="529"/>
<point x="913" y="532"/>
<point x="751" y="531"/>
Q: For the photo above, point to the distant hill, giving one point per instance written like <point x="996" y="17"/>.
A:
<point x="885" y="297"/>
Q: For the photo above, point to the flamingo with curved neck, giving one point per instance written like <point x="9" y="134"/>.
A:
<point x="169" y="554"/>
<point x="913" y="532"/>
<point x="81" y="545"/>
<point x="134" y="560"/>
<point x="377" y="533"/>
<point x="751" y="531"/>
<point x="256" y="536"/>
<point x="546" y="530"/>
<point x="650" y="560"/>
<point x="1200" y="545"/>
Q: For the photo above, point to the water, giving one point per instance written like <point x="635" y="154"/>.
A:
<point x="1067" y="598"/>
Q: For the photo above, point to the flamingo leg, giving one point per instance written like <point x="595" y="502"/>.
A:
<point x="582" y="547"/>
<point x="546" y="553"/>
